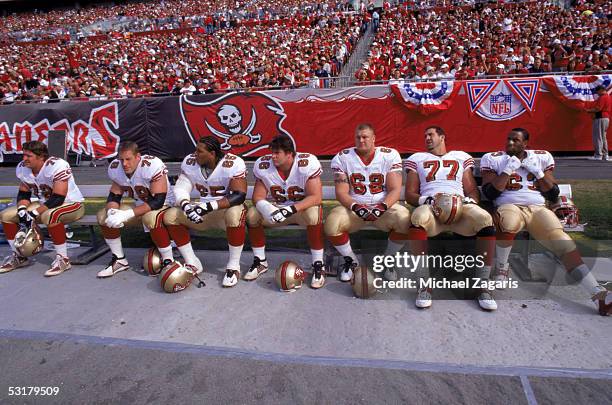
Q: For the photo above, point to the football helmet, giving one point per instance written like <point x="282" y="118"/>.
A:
<point x="566" y="211"/>
<point x="289" y="276"/>
<point x="363" y="283"/>
<point x="152" y="262"/>
<point x="174" y="277"/>
<point x="447" y="207"/>
<point x="29" y="241"/>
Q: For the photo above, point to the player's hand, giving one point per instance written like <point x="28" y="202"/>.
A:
<point x="362" y="210"/>
<point x="377" y="211"/>
<point x="531" y="164"/>
<point x="281" y="214"/>
<point x="198" y="211"/>
<point x="25" y="218"/>
<point x="512" y="165"/>
<point x="117" y="218"/>
<point x="469" y="200"/>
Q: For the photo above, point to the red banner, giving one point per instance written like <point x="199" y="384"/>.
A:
<point x="321" y="121"/>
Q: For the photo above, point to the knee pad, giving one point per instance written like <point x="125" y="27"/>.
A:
<point x="335" y="219"/>
<point x="235" y="216"/>
<point x="559" y="242"/>
<point x="101" y="216"/>
<point x="171" y="216"/>
<point x="253" y="217"/>
<point x="422" y="217"/>
<point x="312" y="215"/>
<point x="509" y="221"/>
<point x="153" y="219"/>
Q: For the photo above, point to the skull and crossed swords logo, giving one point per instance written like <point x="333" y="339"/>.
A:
<point x="230" y="117"/>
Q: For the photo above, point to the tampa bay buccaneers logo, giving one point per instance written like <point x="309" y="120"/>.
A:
<point x="244" y="123"/>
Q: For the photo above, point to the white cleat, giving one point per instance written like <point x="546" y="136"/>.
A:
<point x="12" y="262"/>
<point x="59" y="265"/>
<point x="115" y="266"/>
<point x="258" y="268"/>
<point x="502" y="274"/>
<point x="423" y="299"/>
<point x="486" y="301"/>
<point x="193" y="269"/>
<point x="390" y="274"/>
<point x="318" y="275"/>
<point x="347" y="269"/>
<point x="231" y="278"/>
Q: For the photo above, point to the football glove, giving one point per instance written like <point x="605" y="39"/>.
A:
<point x="512" y="165"/>
<point x="361" y="210"/>
<point x="281" y="214"/>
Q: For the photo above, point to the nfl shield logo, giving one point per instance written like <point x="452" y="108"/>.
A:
<point x="500" y="104"/>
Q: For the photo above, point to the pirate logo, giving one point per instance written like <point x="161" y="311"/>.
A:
<point x="244" y="123"/>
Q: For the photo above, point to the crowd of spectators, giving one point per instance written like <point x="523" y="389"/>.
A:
<point x="148" y="16"/>
<point x="270" y="44"/>
<point x="465" y="43"/>
<point x="293" y="54"/>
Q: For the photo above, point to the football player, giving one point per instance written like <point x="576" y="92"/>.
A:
<point x="220" y="179"/>
<point x="368" y="182"/>
<point x="520" y="182"/>
<point x="146" y="179"/>
<point x="440" y="171"/>
<point x="292" y="182"/>
<point x="50" y="180"/>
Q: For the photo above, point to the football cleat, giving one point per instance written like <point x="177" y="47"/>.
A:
<point x="115" y="266"/>
<point x="12" y="262"/>
<point x="59" y="265"/>
<point x="318" y="275"/>
<point x="603" y="301"/>
<point x="486" y="301"/>
<point x="423" y="299"/>
<point x="193" y="268"/>
<point x="257" y="268"/>
<point x="347" y="269"/>
<point x="390" y="274"/>
<point x="502" y="274"/>
<point x="231" y="278"/>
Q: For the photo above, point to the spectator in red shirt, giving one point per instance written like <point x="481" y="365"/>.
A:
<point x="601" y="121"/>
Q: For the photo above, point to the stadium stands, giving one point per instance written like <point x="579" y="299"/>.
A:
<point x="191" y="47"/>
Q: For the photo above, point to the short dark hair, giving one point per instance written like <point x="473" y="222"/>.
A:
<point x="364" y="126"/>
<point x="438" y="129"/>
<point x="212" y="145"/>
<point x="36" y="147"/>
<point x="129" y="145"/>
<point x="523" y="132"/>
<point x="284" y="143"/>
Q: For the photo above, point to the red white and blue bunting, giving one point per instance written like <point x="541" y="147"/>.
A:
<point x="577" y="92"/>
<point x="426" y="98"/>
<point x="501" y="100"/>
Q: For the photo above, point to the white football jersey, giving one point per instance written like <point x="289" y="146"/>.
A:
<point x="521" y="188"/>
<point x="440" y="174"/>
<point x="287" y="191"/>
<point x="367" y="181"/>
<point x="41" y="185"/>
<point x="149" y="169"/>
<point x="215" y="185"/>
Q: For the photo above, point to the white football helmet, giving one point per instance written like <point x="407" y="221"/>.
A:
<point x="447" y="207"/>
<point x="289" y="276"/>
<point x="174" y="277"/>
<point x="152" y="262"/>
<point x="29" y="241"/>
<point x="566" y="211"/>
